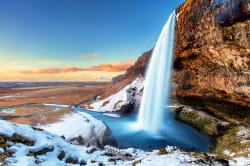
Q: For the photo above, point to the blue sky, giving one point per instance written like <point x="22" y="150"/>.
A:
<point x="61" y="31"/>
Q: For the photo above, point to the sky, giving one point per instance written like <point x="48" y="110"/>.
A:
<point x="77" y="40"/>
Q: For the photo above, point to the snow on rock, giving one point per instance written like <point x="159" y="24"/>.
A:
<point x="131" y="94"/>
<point x="81" y="128"/>
<point x="45" y="151"/>
<point x="112" y="115"/>
<point x="240" y="161"/>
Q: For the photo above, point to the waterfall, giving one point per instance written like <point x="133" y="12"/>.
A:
<point x="158" y="76"/>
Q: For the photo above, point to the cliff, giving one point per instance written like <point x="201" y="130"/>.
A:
<point x="136" y="70"/>
<point x="211" y="61"/>
<point x="212" y="57"/>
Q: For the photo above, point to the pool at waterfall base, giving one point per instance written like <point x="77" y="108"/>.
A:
<point x="128" y="134"/>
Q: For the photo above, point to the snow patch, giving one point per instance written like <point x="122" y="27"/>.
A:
<point x="123" y="97"/>
<point x="77" y="124"/>
<point x="112" y="115"/>
<point x="8" y="111"/>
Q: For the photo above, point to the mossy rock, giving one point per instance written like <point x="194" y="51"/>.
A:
<point x="205" y="125"/>
<point x="231" y="142"/>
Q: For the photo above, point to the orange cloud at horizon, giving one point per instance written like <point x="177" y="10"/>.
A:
<point x="69" y="76"/>
<point x="109" y="67"/>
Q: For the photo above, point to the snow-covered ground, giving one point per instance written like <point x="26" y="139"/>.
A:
<point x="76" y="125"/>
<point x="51" y="150"/>
<point x="125" y="96"/>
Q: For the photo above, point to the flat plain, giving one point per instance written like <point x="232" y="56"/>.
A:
<point x="28" y="94"/>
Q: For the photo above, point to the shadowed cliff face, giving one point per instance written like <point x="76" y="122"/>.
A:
<point x="212" y="66"/>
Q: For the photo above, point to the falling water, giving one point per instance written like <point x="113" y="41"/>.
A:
<point x="155" y="96"/>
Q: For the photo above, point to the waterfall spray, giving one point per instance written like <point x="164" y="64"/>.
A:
<point x="158" y="76"/>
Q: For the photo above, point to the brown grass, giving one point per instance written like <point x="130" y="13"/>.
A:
<point x="48" y="94"/>
<point x="44" y="118"/>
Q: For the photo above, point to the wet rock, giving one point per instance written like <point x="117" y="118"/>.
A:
<point x="5" y="145"/>
<point x="2" y="140"/>
<point x="83" y="163"/>
<point x="71" y="160"/>
<point x="92" y="150"/>
<point x="101" y="164"/>
<point x="8" y="153"/>
<point x="20" y="139"/>
<point x="2" y="158"/>
<point x="40" y="152"/>
<point x="111" y="160"/>
<point x="108" y="154"/>
<point x="61" y="155"/>
<point x="38" y="129"/>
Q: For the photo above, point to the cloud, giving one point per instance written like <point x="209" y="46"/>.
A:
<point x="92" y="56"/>
<point x="109" y="67"/>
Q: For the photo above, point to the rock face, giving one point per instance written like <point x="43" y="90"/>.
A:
<point x="212" y="56"/>
<point x="122" y="94"/>
<point x="136" y="70"/>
